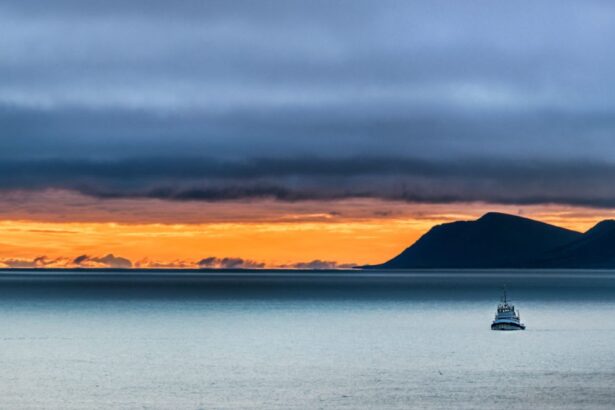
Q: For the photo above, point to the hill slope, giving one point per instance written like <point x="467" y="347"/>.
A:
<point x="494" y="241"/>
<point x="594" y="250"/>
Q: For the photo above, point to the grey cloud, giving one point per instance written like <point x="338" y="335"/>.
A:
<point x="321" y="264"/>
<point x="213" y="262"/>
<point x="427" y="132"/>
<point x="19" y="263"/>
<point x="109" y="261"/>
<point x="426" y="101"/>
<point x="154" y="264"/>
<point x="220" y="56"/>
<point x="572" y="182"/>
<point x="34" y="263"/>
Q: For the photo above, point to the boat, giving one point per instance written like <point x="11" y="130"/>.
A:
<point x="506" y="318"/>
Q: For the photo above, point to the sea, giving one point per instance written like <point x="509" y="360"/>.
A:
<point x="305" y="340"/>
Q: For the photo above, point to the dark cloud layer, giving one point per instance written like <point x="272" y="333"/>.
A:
<point x="426" y="101"/>
<point x="298" y="179"/>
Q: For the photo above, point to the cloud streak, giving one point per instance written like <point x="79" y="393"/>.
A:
<point x="568" y="182"/>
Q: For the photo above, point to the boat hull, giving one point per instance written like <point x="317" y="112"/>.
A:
<point x="507" y="326"/>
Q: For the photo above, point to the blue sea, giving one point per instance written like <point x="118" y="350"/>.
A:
<point x="305" y="340"/>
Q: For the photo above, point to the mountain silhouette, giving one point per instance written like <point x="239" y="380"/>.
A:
<point x="594" y="250"/>
<point x="499" y="240"/>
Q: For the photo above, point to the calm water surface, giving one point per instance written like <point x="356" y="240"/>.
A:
<point x="305" y="341"/>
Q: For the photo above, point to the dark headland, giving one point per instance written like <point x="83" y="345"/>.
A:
<point x="502" y="241"/>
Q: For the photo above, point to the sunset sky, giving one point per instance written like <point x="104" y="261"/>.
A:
<point x="294" y="133"/>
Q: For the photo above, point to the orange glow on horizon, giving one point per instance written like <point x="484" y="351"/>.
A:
<point x="275" y="244"/>
<point x="183" y="245"/>
<point x="276" y="234"/>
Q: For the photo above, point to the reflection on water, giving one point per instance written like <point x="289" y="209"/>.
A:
<point x="278" y="341"/>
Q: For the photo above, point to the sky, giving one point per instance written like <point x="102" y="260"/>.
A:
<point x="291" y="133"/>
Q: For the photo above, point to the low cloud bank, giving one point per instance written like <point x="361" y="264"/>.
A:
<point x="320" y="264"/>
<point x="148" y="263"/>
<point x="82" y="261"/>
<point x="108" y="261"/>
<point x="239" y="263"/>
<point x="111" y="261"/>
<point x="39" y="262"/>
<point x="213" y="262"/>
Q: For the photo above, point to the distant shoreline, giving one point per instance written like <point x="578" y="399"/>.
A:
<point x="358" y="270"/>
<point x="171" y="270"/>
